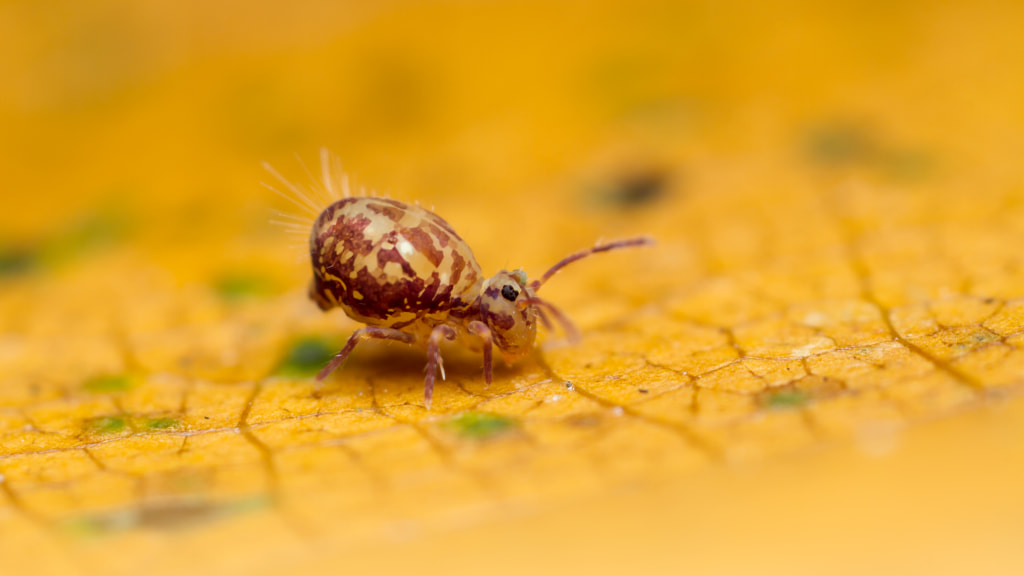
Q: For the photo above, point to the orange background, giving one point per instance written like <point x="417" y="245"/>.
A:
<point x="827" y="334"/>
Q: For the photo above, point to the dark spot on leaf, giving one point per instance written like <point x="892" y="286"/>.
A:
<point x="480" y="425"/>
<point x="175" y="514"/>
<point x="983" y="337"/>
<point x="306" y="357"/>
<point x="16" y="261"/>
<point x="839" y="144"/>
<point x="847" y="144"/>
<point x="180" y="514"/>
<point x="632" y="189"/>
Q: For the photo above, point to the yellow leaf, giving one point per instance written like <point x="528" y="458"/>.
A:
<point x="816" y="369"/>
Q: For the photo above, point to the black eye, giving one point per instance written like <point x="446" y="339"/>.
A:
<point x="509" y="292"/>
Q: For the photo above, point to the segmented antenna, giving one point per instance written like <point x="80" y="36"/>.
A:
<point x="628" y="243"/>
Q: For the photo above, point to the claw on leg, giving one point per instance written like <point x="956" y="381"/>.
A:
<point x="480" y="329"/>
<point x="434" y="359"/>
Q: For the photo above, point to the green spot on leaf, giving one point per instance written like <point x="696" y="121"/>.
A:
<point x="100" y="524"/>
<point x="16" y="261"/>
<point x="852" y="145"/>
<point x="244" y="505"/>
<point x="99" y="230"/>
<point x="784" y="399"/>
<point x="480" y="425"/>
<point x="306" y="357"/>
<point x="159" y="423"/>
<point x="109" y="383"/>
<point x="839" y="144"/>
<point x="107" y="425"/>
<point x="240" y="286"/>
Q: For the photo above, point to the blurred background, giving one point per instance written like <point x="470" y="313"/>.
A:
<point x="785" y="154"/>
<point x="164" y="110"/>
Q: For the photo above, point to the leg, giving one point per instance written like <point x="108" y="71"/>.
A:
<point x="363" y="334"/>
<point x="434" y="359"/>
<point x="480" y="329"/>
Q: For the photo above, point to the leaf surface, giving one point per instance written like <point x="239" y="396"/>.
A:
<point x="824" y="345"/>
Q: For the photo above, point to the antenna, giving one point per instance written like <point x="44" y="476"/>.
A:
<point x="628" y="243"/>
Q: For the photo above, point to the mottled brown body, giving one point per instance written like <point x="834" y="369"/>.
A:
<point x="391" y="264"/>
<point x="405" y="273"/>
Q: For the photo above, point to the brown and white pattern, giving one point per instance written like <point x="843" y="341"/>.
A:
<point x="406" y="274"/>
<point x="391" y="264"/>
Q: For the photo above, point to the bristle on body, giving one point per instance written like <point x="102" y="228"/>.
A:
<point x="310" y="199"/>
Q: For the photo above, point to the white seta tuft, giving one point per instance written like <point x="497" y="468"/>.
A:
<point x="332" y="185"/>
<point x="309" y="200"/>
